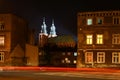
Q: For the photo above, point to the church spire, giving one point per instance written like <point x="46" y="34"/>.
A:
<point x="43" y="20"/>
<point x="52" y="30"/>
<point x="43" y="27"/>
<point x="53" y="22"/>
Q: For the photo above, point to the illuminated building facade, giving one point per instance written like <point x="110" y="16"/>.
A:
<point x="98" y="39"/>
<point x="12" y="40"/>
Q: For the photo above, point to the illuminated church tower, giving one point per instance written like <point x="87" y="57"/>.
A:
<point x="43" y="36"/>
<point x="43" y="28"/>
<point x="52" y="30"/>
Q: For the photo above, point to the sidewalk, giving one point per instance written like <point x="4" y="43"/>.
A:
<point x="61" y="69"/>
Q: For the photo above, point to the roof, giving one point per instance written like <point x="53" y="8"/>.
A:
<point x="96" y="12"/>
<point x="61" y="39"/>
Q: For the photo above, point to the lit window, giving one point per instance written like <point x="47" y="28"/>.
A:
<point x="99" y="39"/>
<point x="89" y="21"/>
<point x="89" y="57"/>
<point x="1" y="56"/>
<point x="2" y="39"/>
<point x="66" y="59"/>
<point x="74" y="61"/>
<point x="116" y="39"/>
<point x="116" y="57"/>
<point x="75" y="53"/>
<point x="89" y="39"/>
<point x="100" y="57"/>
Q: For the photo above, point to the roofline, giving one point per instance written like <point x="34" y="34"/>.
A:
<point x="99" y="11"/>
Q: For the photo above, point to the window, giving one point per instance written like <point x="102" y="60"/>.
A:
<point x="89" y="39"/>
<point x="116" y="57"/>
<point x="1" y="26"/>
<point x="116" y="39"/>
<point x="74" y="61"/>
<point x="40" y="53"/>
<point x="63" y="61"/>
<point x="69" y="53"/>
<point x="75" y="53"/>
<point x="63" y="53"/>
<point x="89" y="21"/>
<point x="116" y="20"/>
<point x="1" y="56"/>
<point x="99" y="21"/>
<point x="2" y="39"/>
<point x="67" y="60"/>
<point x="99" y="39"/>
<point x="100" y="57"/>
<point x="89" y="57"/>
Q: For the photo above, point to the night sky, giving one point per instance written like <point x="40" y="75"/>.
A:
<point x="64" y="12"/>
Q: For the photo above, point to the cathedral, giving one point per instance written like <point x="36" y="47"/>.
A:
<point x="52" y="29"/>
<point x="43" y="35"/>
<point x="56" y="50"/>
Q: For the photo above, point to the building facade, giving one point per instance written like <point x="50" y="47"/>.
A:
<point x="61" y="51"/>
<point x="98" y="39"/>
<point x="31" y="54"/>
<point x="12" y="39"/>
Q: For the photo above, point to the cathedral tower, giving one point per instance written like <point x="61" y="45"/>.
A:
<point x="44" y="28"/>
<point x="52" y="30"/>
<point x="43" y="36"/>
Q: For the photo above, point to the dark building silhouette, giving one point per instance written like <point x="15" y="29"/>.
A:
<point x="61" y="51"/>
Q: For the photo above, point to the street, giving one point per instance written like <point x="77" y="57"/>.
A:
<point x="49" y="75"/>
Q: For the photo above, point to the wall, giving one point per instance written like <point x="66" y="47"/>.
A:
<point x="32" y="55"/>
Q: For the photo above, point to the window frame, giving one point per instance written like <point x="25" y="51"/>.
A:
<point x="115" y="38"/>
<point x="1" y="56"/>
<point x="89" y="21"/>
<point x="88" y="57"/>
<point x="2" y="26"/>
<point x="100" y="59"/>
<point x="101" y="18"/>
<point x="116" y="20"/>
<point x="99" y="40"/>
<point x="114" y="58"/>
<point x="89" y="39"/>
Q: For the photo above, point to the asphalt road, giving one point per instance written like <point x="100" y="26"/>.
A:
<point x="45" y="75"/>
